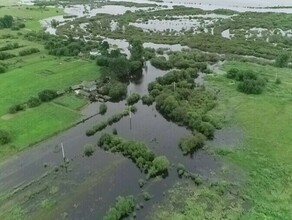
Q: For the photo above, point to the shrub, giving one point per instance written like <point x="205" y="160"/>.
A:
<point x="16" y="108"/>
<point x="33" y="102"/>
<point x="102" y="61"/>
<point x="88" y="150"/>
<point x="102" y="108"/>
<point x="47" y="95"/>
<point x="278" y="81"/>
<point x="207" y="129"/>
<point x="5" y="137"/>
<point x="146" y="196"/>
<point x="124" y="206"/>
<point x="90" y="132"/>
<point x="160" y="166"/>
<point x="251" y="86"/>
<point x="180" y="169"/>
<point x="133" y="98"/>
<point x="160" y="63"/>
<point x="192" y="143"/>
<point x="28" y="51"/>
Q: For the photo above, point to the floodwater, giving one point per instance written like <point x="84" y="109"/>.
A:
<point x="86" y="187"/>
<point x="91" y="185"/>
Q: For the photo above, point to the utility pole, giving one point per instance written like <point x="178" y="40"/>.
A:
<point x="130" y="115"/>
<point x="63" y="152"/>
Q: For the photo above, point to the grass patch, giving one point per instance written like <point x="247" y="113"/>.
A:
<point x="266" y="153"/>
<point x="71" y="101"/>
<point x="36" y="124"/>
<point x="66" y="74"/>
<point x="30" y="14"/>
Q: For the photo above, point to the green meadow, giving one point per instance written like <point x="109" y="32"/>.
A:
<point x="27" y="75"/>
<point x="264" y="184"/>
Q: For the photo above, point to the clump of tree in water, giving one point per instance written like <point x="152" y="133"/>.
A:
<point x="123" y="207"/>
<point x="249" y="81"/>
<point x="138" y="152"/>
<point x="111" y="120"/>
<point x="178" y="99"/>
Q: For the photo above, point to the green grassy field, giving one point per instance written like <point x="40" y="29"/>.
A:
<point x="266" y="153"/>
<point x="36" y="124"/>
<point x="27" y="75"/>
<point x="71" y="101"/>
<point x="264" y="156"/>
<point x="31" y="15"/>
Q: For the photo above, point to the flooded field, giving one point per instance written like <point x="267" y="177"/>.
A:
<point x="47" y="187"/>
<point x="90" y="185"/>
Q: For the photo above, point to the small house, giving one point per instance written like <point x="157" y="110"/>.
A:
<point x="89" y="86"/>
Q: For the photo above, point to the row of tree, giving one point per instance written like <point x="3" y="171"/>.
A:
<point x="138" y="152"/>
<point x="43" y="96"/>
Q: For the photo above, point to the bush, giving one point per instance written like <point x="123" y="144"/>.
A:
<point x="28" y="51"/>
<point x="207" y="129"/>
<point x="160" y="63"/>
<point x="146" y="196"/>
<point x="251" y="86"/>
<point x="192" y="143"/>
<point x="5" y="56"/>
<point x="249" y="82"/>
<point x="133" y="98"/>
<point x="33" y="102"/>
<point x="147" y="100"/>
<point x="47" y="95"/>
<point x="159" y="166"/>
<point x="124" y="206"/>
<point x="5" y="137"/>
<point x="102" y="61"/>
<point x="180" y="169"/>
<point x="16" y="108"/>
<point x="88" y="150"/>
<point x="102" y="108"/>
<point x="278" y="81"/>
<point x="90" y="132"/>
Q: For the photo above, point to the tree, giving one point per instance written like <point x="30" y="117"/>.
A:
<point x="137" y="50"/>
<point x="102" y="108"/>
<point x="6" y="21"/>
<point x="192" y="143"/>
<point x="34" y="102"/>
<point x="120" y="68"/>
<point x="47" y="95"/>
<point x="159" y="166"/>
<point x="133" y="98"/>
<point x="282" y="60"/>
<point x="117" y="91"/>
<point x="88" y="150"/>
